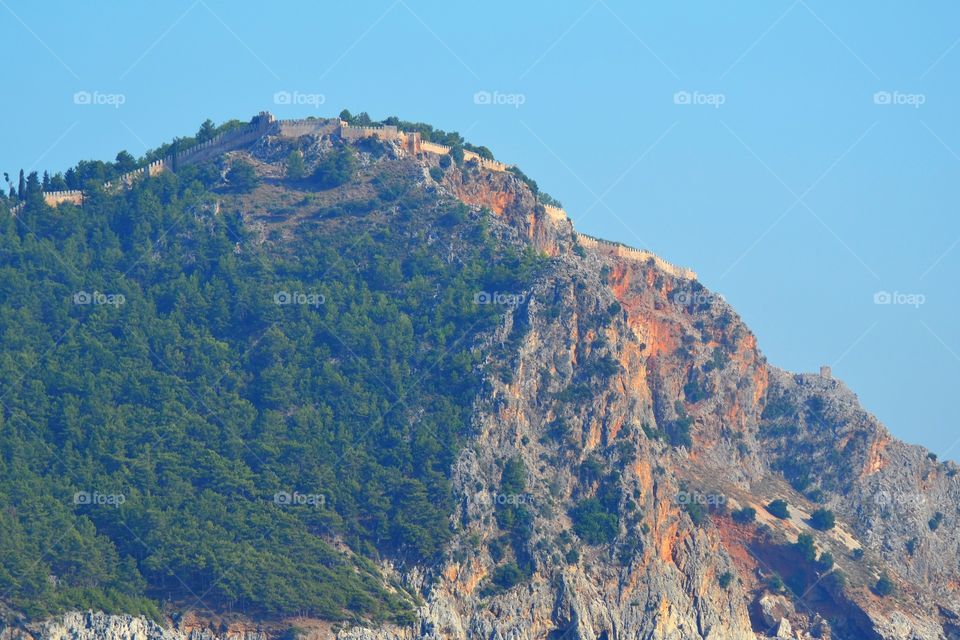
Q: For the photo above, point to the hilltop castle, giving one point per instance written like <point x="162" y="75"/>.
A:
<point x="264" y="124"/>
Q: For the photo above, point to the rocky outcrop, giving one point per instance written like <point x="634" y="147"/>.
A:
<point x="630" y="389"/>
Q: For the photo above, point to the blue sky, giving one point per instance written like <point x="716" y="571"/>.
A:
<point x="800" y="155"/>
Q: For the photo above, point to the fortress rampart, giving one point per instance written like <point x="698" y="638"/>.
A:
<point x="264" y="123"/>
<point x="623" y="251"/>
<point x="53" y="198"/>
<point x="556" y="213"/>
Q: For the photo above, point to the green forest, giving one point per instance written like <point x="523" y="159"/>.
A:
<point x="191" y="416"/>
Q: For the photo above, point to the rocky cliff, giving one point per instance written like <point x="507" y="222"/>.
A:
<point x="628" y="424"/>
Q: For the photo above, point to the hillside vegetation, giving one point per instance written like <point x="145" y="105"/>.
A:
<point x="233" y="424"/>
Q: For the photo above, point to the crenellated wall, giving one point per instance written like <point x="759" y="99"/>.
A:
<point x="623" y="251"/>
<point x="53" y="198"/>
<point x="264" y="123"/>
<point x="311" y="126"/>
<point x="556" y="213"/>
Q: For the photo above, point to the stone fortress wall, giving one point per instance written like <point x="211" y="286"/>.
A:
<point x="265" y="124"/>
<point x="623" y="251"/>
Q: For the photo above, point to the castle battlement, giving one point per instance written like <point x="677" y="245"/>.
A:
<point x="264" y="123"/>
<point x="556" y="213"/>
<point x="624" y="251"/>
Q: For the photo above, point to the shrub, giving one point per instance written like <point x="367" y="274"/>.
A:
<point x="335" y="168"/>
<point x="935" y="521"/>
<point x="822" y="519"/>
<point x="436" y="173"/>
<point x="593" y="523"/>
<point x="884" y="586"/>
<point x="857" y="553"/>
<point x="507" y="576"/>
<point x="725" y="579"/>
<point x="775" y="583"/>
<point x="678" y="432"/>
<point x="779" y="509"/>
<point x="804" y="547"/>
<point x="242" y="176"/>
<point x="745" y="515"/>
<point x="697" y="512"/>
<point x="825" y="561"/>
<point x="296" y="169"/>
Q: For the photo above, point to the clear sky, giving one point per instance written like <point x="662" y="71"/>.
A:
<point x="800" y="155"/>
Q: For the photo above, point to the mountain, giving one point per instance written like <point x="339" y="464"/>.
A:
<point x="335" y="378"/>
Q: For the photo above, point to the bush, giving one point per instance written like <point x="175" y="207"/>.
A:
<point x="822" y="519"/>
<point x="242" y="176"/>
<point x="745" y="515"/>
<point x="335" y="168"/>
<point x="507" y="576"/>
<point x="804" y="547"/>
<point x="296" y="169"/>
<point x="725" y="579"/>
<point x="678" y="432"/>
<point x="697" y="512"/>
<point x="825" y="561"/>
<point x="436" y="173"/>
<point x="935" y="521"/>
<point x="779" y="509"/>
<point x="593" y="523"/>
<point x="884" y="586"/>
<point x="775" y="583"/>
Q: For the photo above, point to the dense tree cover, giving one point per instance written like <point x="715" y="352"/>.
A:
<point x="204" y="437"/>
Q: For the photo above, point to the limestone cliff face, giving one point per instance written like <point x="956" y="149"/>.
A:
<point x="613" y="377"/>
